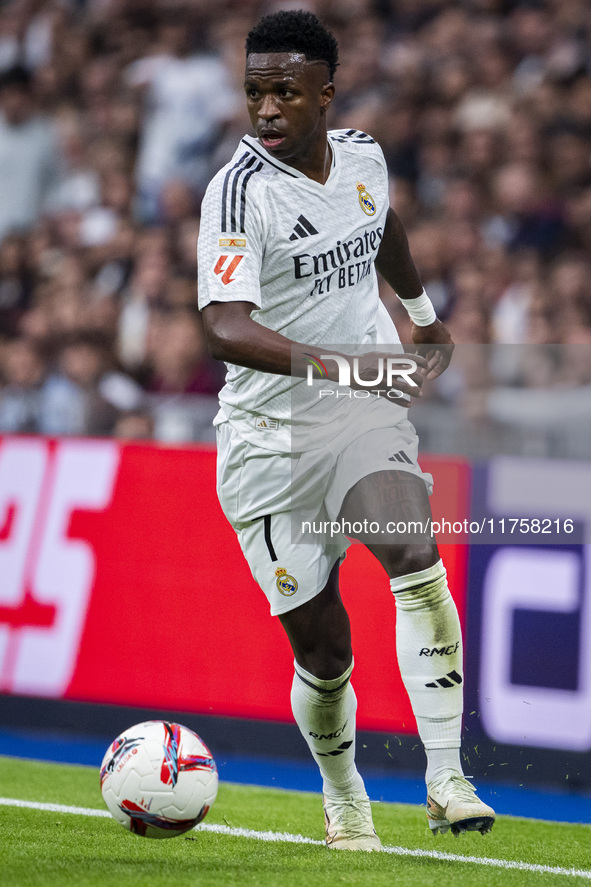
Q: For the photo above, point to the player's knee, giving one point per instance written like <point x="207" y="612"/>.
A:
<point x="326" y="667"/>
<point x="326" y="657"/>
<point x="407" y="559"/>
<point x="321" y="646"/>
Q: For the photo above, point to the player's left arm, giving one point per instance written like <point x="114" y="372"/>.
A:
<point x="395" y="264"/>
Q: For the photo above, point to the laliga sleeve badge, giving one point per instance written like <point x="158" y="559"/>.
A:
<point x="366" y="201"/>
<point x="286" y="584"/>
<point x="228" y="269"/>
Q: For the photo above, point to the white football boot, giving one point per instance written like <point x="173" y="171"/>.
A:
<point x="452" y="803"/>
<point x="349" y="825"/>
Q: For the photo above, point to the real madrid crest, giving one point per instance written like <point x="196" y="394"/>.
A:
<point x="286" y="584"/>
<point x="366" y="201"/>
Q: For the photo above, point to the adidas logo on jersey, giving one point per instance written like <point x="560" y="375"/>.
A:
<point x="400" y="456"/>
<point x="302" y="228"/>
<point x="263" y="423"/>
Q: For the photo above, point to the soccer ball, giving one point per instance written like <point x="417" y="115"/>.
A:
<point x="158" y="779"/>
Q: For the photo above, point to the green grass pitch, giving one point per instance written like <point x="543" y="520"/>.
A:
<point x="44" y="847"/>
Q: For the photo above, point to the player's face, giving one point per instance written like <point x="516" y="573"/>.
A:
<point x="287" y="99"/>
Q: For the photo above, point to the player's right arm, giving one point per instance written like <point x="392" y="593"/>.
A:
<point x="231" y="245"/>
<point x="234" y="337"/>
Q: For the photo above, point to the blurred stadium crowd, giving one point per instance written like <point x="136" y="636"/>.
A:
<point x="116" y="113"/>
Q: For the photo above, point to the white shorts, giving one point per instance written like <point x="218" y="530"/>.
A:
<point x="260" y="492"/>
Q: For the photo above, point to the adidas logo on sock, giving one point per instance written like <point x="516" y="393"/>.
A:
<point x="302" y="228"/>
<point x="337" y="751"/>
<point x="400" y="456"/>
<point x="452" y="679"/>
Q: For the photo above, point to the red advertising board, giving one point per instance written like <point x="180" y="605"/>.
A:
<point x="123" y="583"/>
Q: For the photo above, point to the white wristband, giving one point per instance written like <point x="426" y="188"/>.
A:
<point x="420" y="310"/>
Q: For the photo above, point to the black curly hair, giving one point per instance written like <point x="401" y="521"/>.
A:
<point x="294" y="31"/>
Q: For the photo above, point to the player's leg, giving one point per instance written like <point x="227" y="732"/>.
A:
<point x="428" y="636"/>
<point x="324" y="706"/>
<point x="319" y="632"/>
<point x="300" y="582"/>
<point x="309" y="606"/>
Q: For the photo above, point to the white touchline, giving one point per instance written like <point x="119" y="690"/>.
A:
<point x="285" y="837"/>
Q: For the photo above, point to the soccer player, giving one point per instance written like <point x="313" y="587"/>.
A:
<point x="291" y="231"/>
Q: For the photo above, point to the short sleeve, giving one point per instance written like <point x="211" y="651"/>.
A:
<point x="230" y="247"/>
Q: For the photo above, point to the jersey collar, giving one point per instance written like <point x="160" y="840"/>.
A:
<point x="258" y="149"/>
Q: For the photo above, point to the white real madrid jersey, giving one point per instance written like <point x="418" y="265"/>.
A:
<point x="303" y="253"/>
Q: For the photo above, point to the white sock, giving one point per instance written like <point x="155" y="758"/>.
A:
<point x="440" y="759"/>
<point x="325" y="713"/>
<point x="429" y="647"/>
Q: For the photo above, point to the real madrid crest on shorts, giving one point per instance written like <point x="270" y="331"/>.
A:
<point x="286" y="584"/>
<point x="366" y="201"/>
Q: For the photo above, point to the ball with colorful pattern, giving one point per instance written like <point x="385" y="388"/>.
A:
<point x="158" y="779"/>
